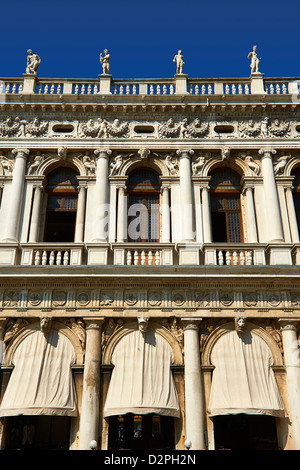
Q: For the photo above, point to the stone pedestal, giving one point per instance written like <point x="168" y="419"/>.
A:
<point x="181" y="84"/>
<point x="257" y="84"/>
<point x="105" y="84"/>
<point x="29" y="84"/>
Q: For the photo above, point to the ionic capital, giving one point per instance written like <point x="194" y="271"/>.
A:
<point x="267" y="152"/>
<point x="93" y="323"/>
<point x="21" y="153"/>
<point x="103" y="152"/>
<point x="185" y="152"/>
<point x="288" y="324"/>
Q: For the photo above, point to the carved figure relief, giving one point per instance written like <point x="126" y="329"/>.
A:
<point x="13" y="327"/>
<point x="21" y="128"/>
<point x="182" y="129"/>
<point x="7" y="165"/>
<point x="264" y="128"/>
<point x="103" y="129"/>
<point x="280" y="164"/>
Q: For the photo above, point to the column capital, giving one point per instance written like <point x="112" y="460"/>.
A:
<point x="93" y="323"/>
<point x="185" y="152"/>
<point x="191" y="323"/>
<point x="267" y="152"/>
<point x="288" y="324"/>
<point x="103" y="152"/>
<point x="21" y="152"/>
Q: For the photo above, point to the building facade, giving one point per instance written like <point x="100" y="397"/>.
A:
<point x="149" y="286"/>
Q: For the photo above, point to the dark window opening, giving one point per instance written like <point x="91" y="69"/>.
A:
<point x="296" y="194"/>
<point x="141" y="432"/>
<point x="38" y="433"/>
<point x="143" y="211"/>
<point x="225" y="206"/>
<point x="61" y="205"/>
<point x="245" y="432"/>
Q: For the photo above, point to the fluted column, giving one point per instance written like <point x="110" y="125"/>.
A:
<point x="16" y="195"/>
<point x="36" y="214"/>
<point x="292" y="364"/>
<point x="292" y="214"/>
<point x="80" y="216"/>
<point x="166" y="214"/>
<point x="251" y="217"/>
<point x="273" y="212"/>
<point x="194" y="395"/>
<point x="90" y="410"/>
<point x="101" y="196"/>
<point x="186" y="196"/>
<point x="122" y="217"/>
<point x="206" y="213"/>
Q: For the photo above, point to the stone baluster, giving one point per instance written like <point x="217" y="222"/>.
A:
<point x="80" y="218"/>
<point x="272" y="205"/>
<point x="186" y="196"/>
<point x="101" y="196"/>
<point x="194" y="394"/>
<point x="16" y="195"/>
<point x="36" y="214"/>
<point x="89" y="418"/>
<point x="292" y="363"/>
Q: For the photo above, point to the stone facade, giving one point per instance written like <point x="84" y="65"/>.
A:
<point x="190" y="288"/>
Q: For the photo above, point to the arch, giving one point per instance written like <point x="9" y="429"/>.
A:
<point x="152" y="162"/>
<point x="251" y="327"/>
<point x="291" y="165"/>
<point x="132" y="326"/>
<point x="237" y="165"/>
<point x="35" y="326"/>
<point x="51" y="163"/>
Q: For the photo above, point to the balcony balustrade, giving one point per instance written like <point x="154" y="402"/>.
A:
<point x="148" y="254"/>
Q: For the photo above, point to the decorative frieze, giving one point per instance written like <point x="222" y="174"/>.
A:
<point x="153" y="300"/>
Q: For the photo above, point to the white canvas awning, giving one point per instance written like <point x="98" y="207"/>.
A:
<point x="142" y="380"/>
<point x="41" y="382"/>
<point x="243" y="380"/>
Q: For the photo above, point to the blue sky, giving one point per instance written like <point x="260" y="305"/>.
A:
<point x="143" y="37"/>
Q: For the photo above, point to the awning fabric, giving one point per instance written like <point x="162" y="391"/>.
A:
<point x="243" y="380"/>
<point x="41" y="382"/>
<point x="142" y="380"/>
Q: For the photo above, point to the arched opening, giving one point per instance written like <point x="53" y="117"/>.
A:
<point x="62" y="194"/>
<point x="296" y="194"/>
<point x="225" y="198"/>
<point x="142" y="403"/>
<point x="244" y="401"/>
<point x="143" y="211"/>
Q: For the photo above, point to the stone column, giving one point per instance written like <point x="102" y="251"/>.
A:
<point x="90" y="410"/>
<point x="166" y="215"/>
<point x="207" y="231"/>
<point x="273" y="213"/>
<point x="101" y="196"/>
<point x="292" y="214"/>
<point x="16" y="195"/>
<point x="251" y="217"/>
<point x="80" y="216"/>
<point x="36" y="214"/>
<point x="186" y="196"/>
<point x="122" y="218"/>
<point x="292" y="365"/>
<point x="194" y="396"/>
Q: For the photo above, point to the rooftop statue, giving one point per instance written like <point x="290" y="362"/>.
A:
<point x="179" y="62"/>
<point x="33" y="62"/>
<point x="254" y="60"/>
<point x="104" y="60"/>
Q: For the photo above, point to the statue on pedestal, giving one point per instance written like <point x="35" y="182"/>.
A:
<point x="179" y="62"/>
<point x="254" y="60"/>
<point x="104" y="60"/>
<point x="33" y="62"/>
